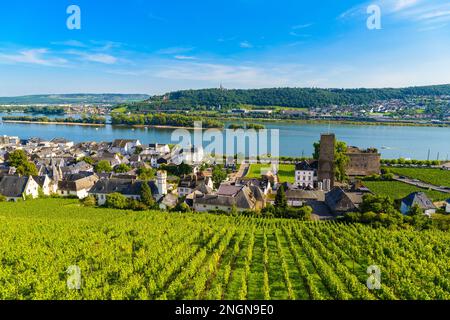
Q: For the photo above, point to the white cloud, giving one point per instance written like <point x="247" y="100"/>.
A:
<point x="94" y="57"/>
<point x="399" y="5"/>
<point x="70" y="43"/>
<point x="413" y="11"/>
<point x="38" y="56"/>
<point x="239" y="75"/>
<point x="182" y="57"/>
<point x="246" y="45"/>
<point x="174" y="50"/>
<point x="302" y="26"/>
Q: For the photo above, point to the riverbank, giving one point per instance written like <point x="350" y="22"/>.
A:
<point x="337" y="122"/>
<point x="57" y="123"/>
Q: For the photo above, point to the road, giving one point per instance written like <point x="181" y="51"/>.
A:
<point x="243" y="169"/>
<point x="421" y="184"/>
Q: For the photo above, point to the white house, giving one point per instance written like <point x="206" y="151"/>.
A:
<point x="15" y="188"/>
<point x="62" y="143"/>
<point x="46" y="184"/>
<point x="129" y="188"/>
<point x="190" y="183"/>
<point x="421" y="200"/>
<point x="305" y="174"/>
<point x="125" y="146"/>
<point x="190" y="155"/>
<point x="158" y="149"/>
<point x="77" y="185"/>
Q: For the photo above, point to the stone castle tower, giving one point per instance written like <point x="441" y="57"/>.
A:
<point x="326" y="161"/>
<point x="161" y="182"/>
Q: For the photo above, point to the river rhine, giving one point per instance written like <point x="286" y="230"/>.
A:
<point x="296" y="139"/>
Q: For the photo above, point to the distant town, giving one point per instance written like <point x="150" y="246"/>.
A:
<point x="111" y="173"/>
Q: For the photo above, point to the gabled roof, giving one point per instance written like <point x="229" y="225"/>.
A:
<point x="123" y="186"/>
<point x="339" y="200"/>
<point x="60" y="140"/>
<point x="13" y="186"/>
<point x="77" y="182"/>
<point x="420" y="199"/>
<point x="40" y="180"/>
<point x="306" y="166"/>
<point x="244" y="199"/>
<point x="121" y="143"/>
<point x="228" y="190"/>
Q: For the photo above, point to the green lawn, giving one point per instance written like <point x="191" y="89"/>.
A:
<point x="286" y="172"/>
<point x="120" y="110"/>
<point x="399" y="190"/>
<point x="437" y="177"/>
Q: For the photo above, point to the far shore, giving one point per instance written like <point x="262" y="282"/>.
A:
<point x="57" y="123"/>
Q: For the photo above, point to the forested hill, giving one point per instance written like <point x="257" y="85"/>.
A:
<point x="285" y="97"/>
<point x="106" y="98"/>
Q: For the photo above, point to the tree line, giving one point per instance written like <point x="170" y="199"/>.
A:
<point x="162" y="119"/>
<point x="284" y="97"/>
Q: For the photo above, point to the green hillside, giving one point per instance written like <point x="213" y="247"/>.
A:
<point x="283" y="97"/>
<point x="153" y="255"/>
<point x="74" y="98"/>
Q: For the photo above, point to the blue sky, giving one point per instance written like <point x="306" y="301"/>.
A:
<point x="139" y="46"/>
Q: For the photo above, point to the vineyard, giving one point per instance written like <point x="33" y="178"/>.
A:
<point x="399" y="190"/>
<point x="437" y="177"/>
<point x="155" y="255"/>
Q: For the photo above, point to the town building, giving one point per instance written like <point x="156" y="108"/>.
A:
<point x="193" y="182"/>
<point x="363" y="162"/>
<point x="125" y="146"/>
<point x="15" y="188"/>
<point x="421" y="200"/>
<point x="340" y="201"/>
<point x="228" y="197"/>
<point x="306" y="174"/>
<point x="77" y="185"/>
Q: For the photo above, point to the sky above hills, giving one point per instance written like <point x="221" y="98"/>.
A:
<point x="139" y="46"/>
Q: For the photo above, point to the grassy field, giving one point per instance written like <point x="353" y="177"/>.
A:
<point x="155" y="255"/>
<point x="437" y="177"/>
<point x="399" y="190"/>
<point x="286" y="172"/>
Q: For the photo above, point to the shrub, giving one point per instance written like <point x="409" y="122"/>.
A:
<point x="89" y="201"/>
<point x="116" y="201"/>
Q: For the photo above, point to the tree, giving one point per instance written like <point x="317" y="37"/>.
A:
<point x="138" y="150"/>
<point x="116" y="201"/>
<point x="122" y="168"/>
<point x="218" y="175"/>
<point x="19" y="160"/>
<point x="415" y="211"/>
<point x="88" y="160"/>
<point x="103" y="166"/>
<point x="17" y="157"/>
<point x="27" y="169"/>
<point x="146" y="195"/>
<point x="184" y="169"/>
<point x="280" y="198"/>
<point x="146" y="174"/>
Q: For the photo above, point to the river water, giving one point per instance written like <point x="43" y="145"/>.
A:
<point x="296" y="139"/>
